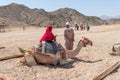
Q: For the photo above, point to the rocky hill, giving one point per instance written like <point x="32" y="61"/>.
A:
<point x="40" y="17"/>
<point x="113" y="21"/>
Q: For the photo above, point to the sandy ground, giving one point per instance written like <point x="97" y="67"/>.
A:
<point x="90" y="61"/>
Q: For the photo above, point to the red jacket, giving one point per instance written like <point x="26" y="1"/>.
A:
<point x="48" y="35"/>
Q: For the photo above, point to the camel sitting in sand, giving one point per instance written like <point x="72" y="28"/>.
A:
<point x="33" y="57"/>
<point x="116" y="49"/>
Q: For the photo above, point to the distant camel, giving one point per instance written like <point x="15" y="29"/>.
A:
<point x="49" y="58"/>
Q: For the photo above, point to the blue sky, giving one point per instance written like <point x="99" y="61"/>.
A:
<point x="86" y="7"/>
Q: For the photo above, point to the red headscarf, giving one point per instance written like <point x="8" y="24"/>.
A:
<point x="48" y="35"/>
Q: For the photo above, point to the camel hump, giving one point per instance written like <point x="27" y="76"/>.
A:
<point x="48" y="47"/>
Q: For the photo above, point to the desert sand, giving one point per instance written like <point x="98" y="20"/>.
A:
<point x="88" y="63"/>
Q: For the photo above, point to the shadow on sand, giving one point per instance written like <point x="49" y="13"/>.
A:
<point x="69" y="65"/>
<point x="86" y="61"/>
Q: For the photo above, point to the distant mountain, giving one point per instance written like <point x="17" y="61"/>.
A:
<point x="117" y="17"/>
<point x="40" y="17"/>
<point x="105" y="17"/>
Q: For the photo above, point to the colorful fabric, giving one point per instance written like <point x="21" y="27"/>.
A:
<point x="48" y="35"/>
<point x="51" y="47"/>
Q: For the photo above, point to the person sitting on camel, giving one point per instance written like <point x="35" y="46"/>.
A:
<point x="48" y="44"/>
<point x="48" y="41"/>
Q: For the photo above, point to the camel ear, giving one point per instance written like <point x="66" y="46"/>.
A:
<point x="22" y="50"/>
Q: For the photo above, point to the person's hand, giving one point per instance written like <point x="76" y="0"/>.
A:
<point x="73" y="40"/>
<point x="40" y="44"/>
<point x="55" y="35"/>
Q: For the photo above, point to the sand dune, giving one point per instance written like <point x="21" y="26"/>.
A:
<point x="89" y="62"/>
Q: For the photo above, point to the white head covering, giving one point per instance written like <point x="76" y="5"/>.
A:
<point x="75" y="22"/>
<point x="69" y="28"/>
<point x="68" y="23"/>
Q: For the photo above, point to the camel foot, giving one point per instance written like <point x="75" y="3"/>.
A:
<point x="112" y="53"/>
<point x="115" y="54"/>
<point x="55" y="63"/>
<point x="23" y="61"/>
<point x="63" y="62"/>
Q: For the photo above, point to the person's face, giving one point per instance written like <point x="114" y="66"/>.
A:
<point x="67" y="26"/>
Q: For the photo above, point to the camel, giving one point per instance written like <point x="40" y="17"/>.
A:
<point x="116" y="49"/>
<point x="62" y="57"/>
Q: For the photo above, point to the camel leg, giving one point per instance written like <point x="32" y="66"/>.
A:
<point x="46" y="58"/>
<point x="115" y="53"/>
<point x="63" y="61"/>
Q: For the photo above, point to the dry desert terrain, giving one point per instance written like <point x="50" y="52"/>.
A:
<point x="88" y="63"/>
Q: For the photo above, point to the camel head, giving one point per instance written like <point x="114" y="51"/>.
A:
<point x="28" y="57"/>
<point x="87" y="41"/>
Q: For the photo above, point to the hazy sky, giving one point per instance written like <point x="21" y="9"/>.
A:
<point x="86" y="7"/>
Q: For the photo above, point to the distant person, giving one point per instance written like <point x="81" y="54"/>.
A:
<point x="69" y="36"/>
<point x="81" y="26"/>
<point x="23" y="28"/>
<point x="76" y="26"/>
<point x="87" y="27"/>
